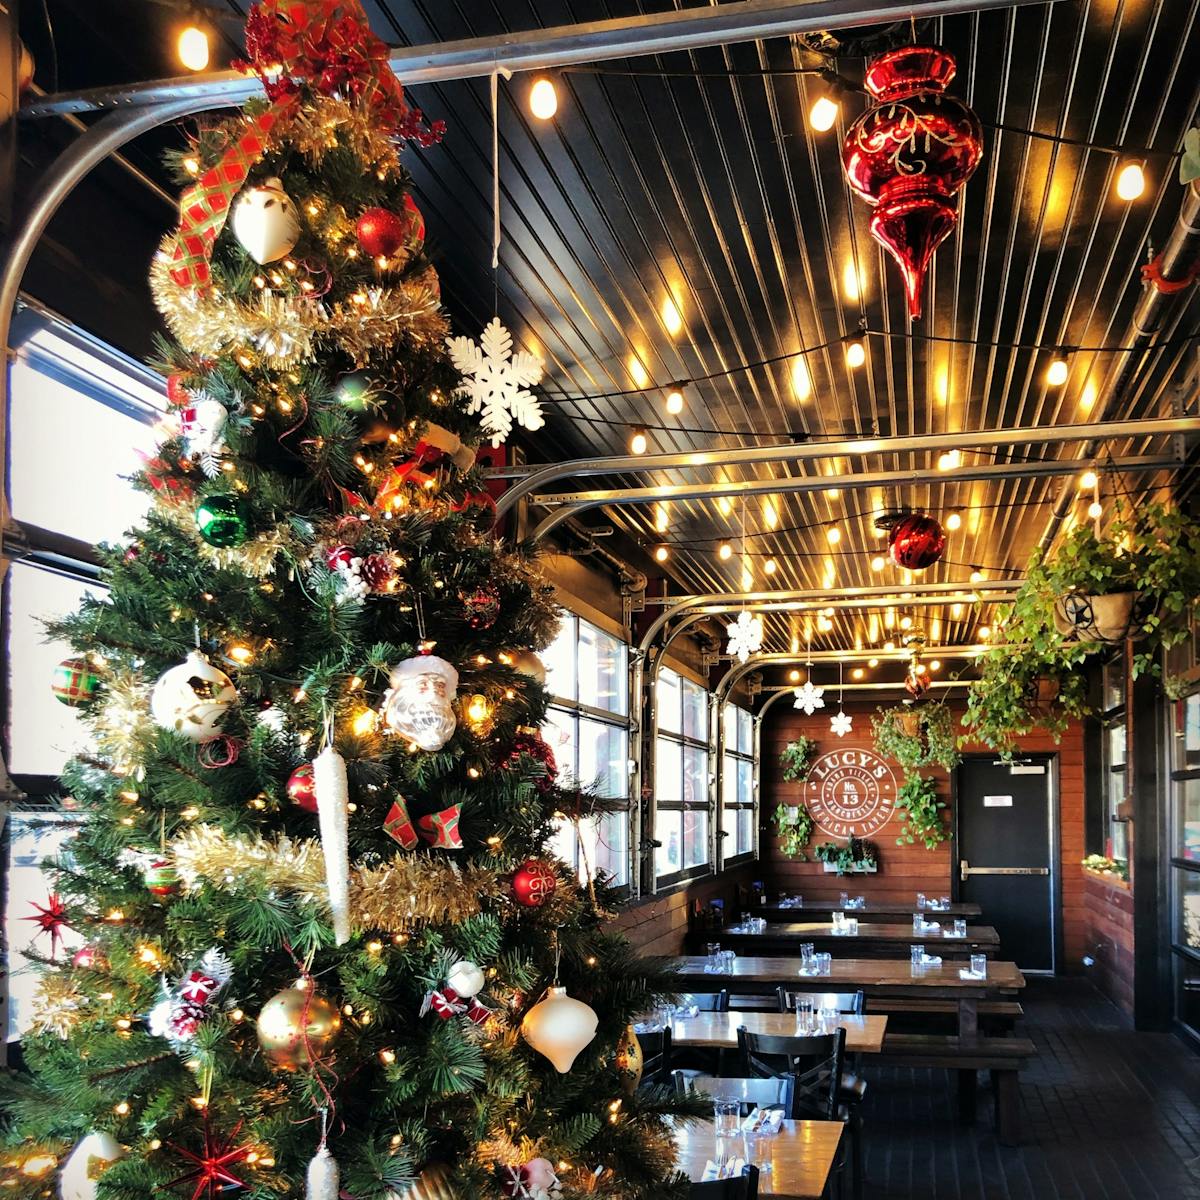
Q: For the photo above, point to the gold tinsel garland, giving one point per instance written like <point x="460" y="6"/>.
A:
<point x="120" y="720"/>
<point x="57" y="1005"/>
<point x="317" y="128"/>
<point x="391" y="897"/>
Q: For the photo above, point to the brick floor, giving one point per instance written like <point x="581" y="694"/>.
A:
<point x="1109" y="1114"/>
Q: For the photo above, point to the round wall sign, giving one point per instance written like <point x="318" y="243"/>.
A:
<point x="850" y="793"/>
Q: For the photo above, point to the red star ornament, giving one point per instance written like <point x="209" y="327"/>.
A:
<point x="51" y="919"/>
<point x="211" y="1173"/>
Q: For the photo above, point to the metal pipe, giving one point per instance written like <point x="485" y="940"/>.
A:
<point x="844" y="447"/>
<point x="569" y="503"/>
<point x="559" y="46"/>
<point x="1177" y="257"/>
<point x="783" y="689"/>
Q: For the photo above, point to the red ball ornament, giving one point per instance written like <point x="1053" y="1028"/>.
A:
<point x="482" y="606"/>
<point x="338" y="556"/>
<point x="534" y="883"/>
<point x="916" y="541"/>
<point x="908" y="155"/>
<point x="177" y="392"/>
<point x="532" y="746"/>
<point x="381" y="232"/>
<point x="378" y="573"/>
<point x="302" y="788"/>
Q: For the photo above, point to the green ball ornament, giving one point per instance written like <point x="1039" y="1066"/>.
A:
<point x="162" y="878"/>
<point x="74" y="681"/>
<point x="354" y="391"/>
<point x="223" y="521"/>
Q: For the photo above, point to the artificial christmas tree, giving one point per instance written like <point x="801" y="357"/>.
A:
<point x="315" y="890"/>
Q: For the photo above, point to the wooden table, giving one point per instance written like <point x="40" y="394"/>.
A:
<point x="818" y="908"/>
<point x="718" y="1031"/>
<point x="801" y="1155"/>
<point x="873" y="976"/>
<point x="883" y="940"/>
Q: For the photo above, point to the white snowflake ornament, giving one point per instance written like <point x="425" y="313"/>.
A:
<point x="745" y="636"/>
<point x="498" y="380"/>
<point x="809" y="698"/>
<point x="841" y="723"/>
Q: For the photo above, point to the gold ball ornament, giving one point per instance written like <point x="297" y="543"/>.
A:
<point x="630" y="1060"/>
<point x="296" y="1025"/>
<point x="525" y="662"/>
<point x="435" y="1182"/>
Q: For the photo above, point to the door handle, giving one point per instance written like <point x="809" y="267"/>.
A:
<point x="966" y="870"/>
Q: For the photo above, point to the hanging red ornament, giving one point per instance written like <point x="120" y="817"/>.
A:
<point x="90" y="958"/>
<point x="908" y="155"/>
<point x="916" y="541"/>
<point x="212" y="1162"/>
<point x="50" y="918"/>
<point x="531" y="745"/>
<point x="482" y="606"/>
<point x="381" y="232"/>
<point x="378" y="573"/>
<point x="177" y="392"/>
<point x="301" y="789"/>
<point x="534" y="883"/>
<point x="339" y="556"/>
<point x="162" y="878"/>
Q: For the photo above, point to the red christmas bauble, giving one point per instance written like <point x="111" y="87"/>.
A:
<point x="916" y="541"/>
<point x="302" y="789"/>
<point x="177" y="393"/>
<point x="482" y="606"/>
<point x="377" y="572"/>
<point x="338" y="556"/>
<point x="381" y="232"/>
<point x="531" y="744"/>
<point x="534" y="883"/>
<point x="909" y="153"/>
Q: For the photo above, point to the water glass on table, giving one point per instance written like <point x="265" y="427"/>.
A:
<point x="850" y="926"/>
<point x="918" y="922"/>
<point x="917" y="954"/>
<point x="727" y="1117"/>
<point x="844" y="899"/>
<point x="979" y="965"/>
<point x="805" y="1016"/>
<point x="822" y="963"/>
<point x="727" y="957"/>
<point x="960" y="926"/>
<point x="839" y="922"/>
<point x="921" y="900"/>
<point x="714" y="956"/>
<point x="806" y="956"/>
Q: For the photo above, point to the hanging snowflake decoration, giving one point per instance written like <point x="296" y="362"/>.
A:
<point x="809" y="698"/>
<point x="841" y="723"/>
<point x="498" y="380"/>
<point x="745" y="636"/>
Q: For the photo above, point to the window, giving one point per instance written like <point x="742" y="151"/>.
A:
<point x="1112" y="774"/>
<point x="681" y="779"/>
<point x="737" y="786"/>
<point x="588" y="729"/>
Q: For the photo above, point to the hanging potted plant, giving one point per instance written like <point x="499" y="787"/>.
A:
<point x="796" y="759"/>
<point x="921" y="810"/>
<point x="917" y="735"/>
<point x="794" y="825"/>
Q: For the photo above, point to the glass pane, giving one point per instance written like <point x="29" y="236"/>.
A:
<point x="1187" y="992"/>
<point x="667" y="701"/>
<point x="1191" y="731"/>
<point x="1118" y="840"/>
<point x="1114" y="685"/>
<point x="561" y="733"/>
<point x="745" y="732"/>
<point x="53" y="425"/>
<point x="562" y="843"/>
<point x="729" y="780"/>
<point x="603" y="754"/>
<point x="745" y="830"/>
<point x="1187" y="818"/>
<point x="1188" y="932"/>
<point x="668" y="771"/>
<point x="609" y="852"/>
<point x="729" y="823"/>
<point x="695" y="775"/>
<point x="43" y="732"/>
<point x="602" y="681"/>
<point x="695" y="837"/>
<point x="729" y="720"/>
<point x="745" y="781"/>
<point x="695" y="710"/>
<point x="668" y="831"/>
<point x="1115" y="737"/>
<point x="559" y="658"/>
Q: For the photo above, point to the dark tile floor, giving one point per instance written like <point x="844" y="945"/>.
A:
<point x="1109" y="1114"/>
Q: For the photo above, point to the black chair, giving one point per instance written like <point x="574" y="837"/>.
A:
<point x="854" y="1086"/>
<point x="706" y="1001"/>
<point x="752" y="1093"/>
<point x="656" y="1057"/>
<point x="815" y="1065"/>
<point x="696" y="1059"/>
<point x="737" y="1187"/>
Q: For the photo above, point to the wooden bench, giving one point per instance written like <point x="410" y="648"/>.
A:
<point x="995" y="1016"/>
<point x="1002" y="1056"/>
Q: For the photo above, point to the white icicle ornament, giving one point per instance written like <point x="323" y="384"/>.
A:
<point x="265" y="221"/>
<point x="78" y="1179"/>
<point x="333" y="812"/>
<point x="192" y="698"/>
<point x="559" y="1027"/>
<point x="324" y="1178"/>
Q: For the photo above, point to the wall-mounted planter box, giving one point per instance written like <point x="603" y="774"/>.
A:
<point x="857" y="869"/>
<point x="1109" y="877"/>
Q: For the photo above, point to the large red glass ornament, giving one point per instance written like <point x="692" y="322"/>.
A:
<point x="534" y="883"/>
<point x="908" y="155"/>
<point x="916" y="541"/>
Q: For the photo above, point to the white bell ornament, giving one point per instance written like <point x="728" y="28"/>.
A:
<point x="466" y="978"/>
<point x="192" y="698"/>
<point x="265" y="222"/>
<point x="78" y="1178"/>
<point x="559" y="1027"/>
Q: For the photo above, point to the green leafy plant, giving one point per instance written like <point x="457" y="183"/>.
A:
<point x="856" y="853"/>
<point x="918" y="803"/>
<point x="917" y="735"/>
<point x="795" y="825"/>
<point x="796" y="759"/>
<point x="1104" y="865"/>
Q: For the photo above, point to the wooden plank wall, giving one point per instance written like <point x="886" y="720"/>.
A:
<point x="906" y="870"/>
<point x="1109" y="933"/>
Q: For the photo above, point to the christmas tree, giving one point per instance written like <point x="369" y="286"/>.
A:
<point x="322" y="935"/>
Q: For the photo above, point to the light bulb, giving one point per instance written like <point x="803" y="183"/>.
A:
<point x="1095" y="510"/>
<point x="949" y="460"/>
<point x="638" y="442"/>
<point x="479" y="711"/>
<point x="794" y="676"/>
<point x="872" y="662"/>
<point x="857" y="673"/>
<point x="725" y="552"/>
<point x="878" y="563"/>
<point x="936" y="665"/>
<point x="1057" y="372"/>
<point x="770" y="566"/>
<point x="192" y="48"/>
<point x="977" y="576"/>
<point x="856" y="353"/>
<point x="823" y="114"/>
<point x="833" y="535"/>
<point x="889" y="646"/>
<point x="661" y="554"/>
<point x="956" y="611"/>
<point x="906" y="622"/>
<point x="675" y="399"/>
<point x="1131" y="181"/>
<point x="954" y="521"/>
<point x="543" y="99"/>
<point x="1088" y="480"/>
<point x="985" y="632"/>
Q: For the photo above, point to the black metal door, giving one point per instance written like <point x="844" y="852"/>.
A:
<point x="1006" y="856"/>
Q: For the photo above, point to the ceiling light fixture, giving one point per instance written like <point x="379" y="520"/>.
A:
<point x="770" y="566"/>
<point x="823" y="113"/>
<point x="949" y="460"/>
<point x="833" y="535"/>
<point x="954" y="520"/>
<point x="675" y="399"/>
<point x="725" y="552"/>
<point x="661" y="554"/>
<point x="192" y="48"/>
<point x="1057" y="372"/>
<point x="878" y="563"/>
<point x="638" y="442"/>
<point x="1131" y="181"/>
<point x="856" y="353"/>
<point x="1088" y="480"/>
<point x="543" y="99"/>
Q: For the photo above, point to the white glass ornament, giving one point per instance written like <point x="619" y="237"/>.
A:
<point x="324" y="1178"/>
<point x="559" y="1027"/>
<point x="465" y="977"/>
<point x="333" y="811"/>
<point x="420" y="703"/>
<point x="78" y="1179"/>
<point x="192" y="698"/>
<point x="264" y="220"/>
<point x="202" y="424"/>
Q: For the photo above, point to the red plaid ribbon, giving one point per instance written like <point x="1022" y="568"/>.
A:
<point x="439" y="830"/>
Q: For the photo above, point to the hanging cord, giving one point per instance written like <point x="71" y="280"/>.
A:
<point x="495" y="91"/>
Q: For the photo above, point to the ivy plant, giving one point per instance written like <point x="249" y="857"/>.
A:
<point x="855" y="853"/>
<point x="921" y="810"/>
<point x="933" y="744"/>
<point x="796" y="759"/>
<point x="795" y="825"/>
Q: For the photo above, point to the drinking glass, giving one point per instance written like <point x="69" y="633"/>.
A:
<point x="945" y="902"/>
<point x="844" y="899"/>
<point x="839" y="922"/>
<point x="918" y="955"/>
<point x="823" y="963"/>
<point x="727" y="957"/>
<point x="829" y="1019"/>
<point x="920" y="899"/>
<point x="918" y="923"/>
<point x="979" y="964"/>
<point x="714" y="956"/>
<point x="960" y="927"/>
<point x="804" y="1015"/>
<point x="806" y="954"/>
<point x="726" y="1117"/>
<point x="851" y="926"/>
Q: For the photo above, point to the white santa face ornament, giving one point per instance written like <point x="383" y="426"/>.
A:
<point x="265" y="222"/>
<point x="420" y="703"/>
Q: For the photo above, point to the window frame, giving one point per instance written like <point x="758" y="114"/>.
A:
<point x="684" y="741"/>
<point x="1113" y="724"/>
<point x="737" y="755"/>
